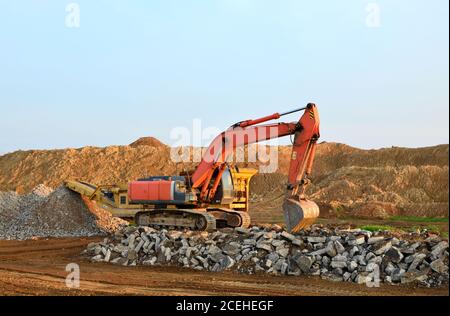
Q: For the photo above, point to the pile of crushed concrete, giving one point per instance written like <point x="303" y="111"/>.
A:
<point x="333" y="253"/>
<point x="51" y="213"/>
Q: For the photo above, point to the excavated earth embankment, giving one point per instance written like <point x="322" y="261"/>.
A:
<point x="364" y="183"/>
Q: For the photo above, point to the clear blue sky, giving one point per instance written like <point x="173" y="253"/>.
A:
<point x="138" y="68"/>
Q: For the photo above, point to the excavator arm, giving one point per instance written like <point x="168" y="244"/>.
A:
<point x="299" y="212"/>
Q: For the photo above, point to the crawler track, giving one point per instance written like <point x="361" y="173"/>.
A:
<point x="177" y="219"/>
<point x="198" y="220"/>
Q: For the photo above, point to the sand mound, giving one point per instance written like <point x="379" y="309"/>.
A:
<point x="387" y="181"/>
<point x="378" y="192"/>
<point x="148" y="141"/>
<point x="367" y="183"/>
<point x="48" y="213"/>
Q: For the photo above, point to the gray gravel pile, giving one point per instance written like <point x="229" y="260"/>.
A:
<point x="48" y="213"/>
<point x="338" y="255"/>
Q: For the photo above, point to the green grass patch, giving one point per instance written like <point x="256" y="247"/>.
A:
<point x="434" y="229"/>
<point x="376" y="228"/>
<point x="419" y="219"/>
<point x="431" y="228"/>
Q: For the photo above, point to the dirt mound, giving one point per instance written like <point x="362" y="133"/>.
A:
<point x="364" y="183"/>
<point x="22" y="171"/>
<point x="345" y="179"/>
<point x="48" y="213"/>
<point x="148" y="141"/>
<point x="403" y="189"/>
<point x="376" y="192"/>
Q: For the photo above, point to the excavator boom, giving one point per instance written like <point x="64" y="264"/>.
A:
<point x="299" y="212"/>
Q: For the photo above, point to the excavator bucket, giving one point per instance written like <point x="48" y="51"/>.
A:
<point x="299" y="214"/>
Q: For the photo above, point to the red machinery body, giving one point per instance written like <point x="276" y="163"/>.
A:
<point x="151" y="191"/>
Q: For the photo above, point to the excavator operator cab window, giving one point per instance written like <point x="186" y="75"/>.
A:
<point x="123" y="200"/>
<point x="225" y="191"/>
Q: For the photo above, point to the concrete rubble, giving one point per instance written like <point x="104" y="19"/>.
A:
<point x="332" y="253"/>
<point x="51" y="213"/>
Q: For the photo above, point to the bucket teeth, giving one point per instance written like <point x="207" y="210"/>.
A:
<point x="299" y="214"/>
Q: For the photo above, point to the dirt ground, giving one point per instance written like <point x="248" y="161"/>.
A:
<point x="38" y="268"/>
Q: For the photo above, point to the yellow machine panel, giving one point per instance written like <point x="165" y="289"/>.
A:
<point x="241" y="182"/>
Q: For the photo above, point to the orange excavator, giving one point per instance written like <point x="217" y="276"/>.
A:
<point x="216" y="195"/>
